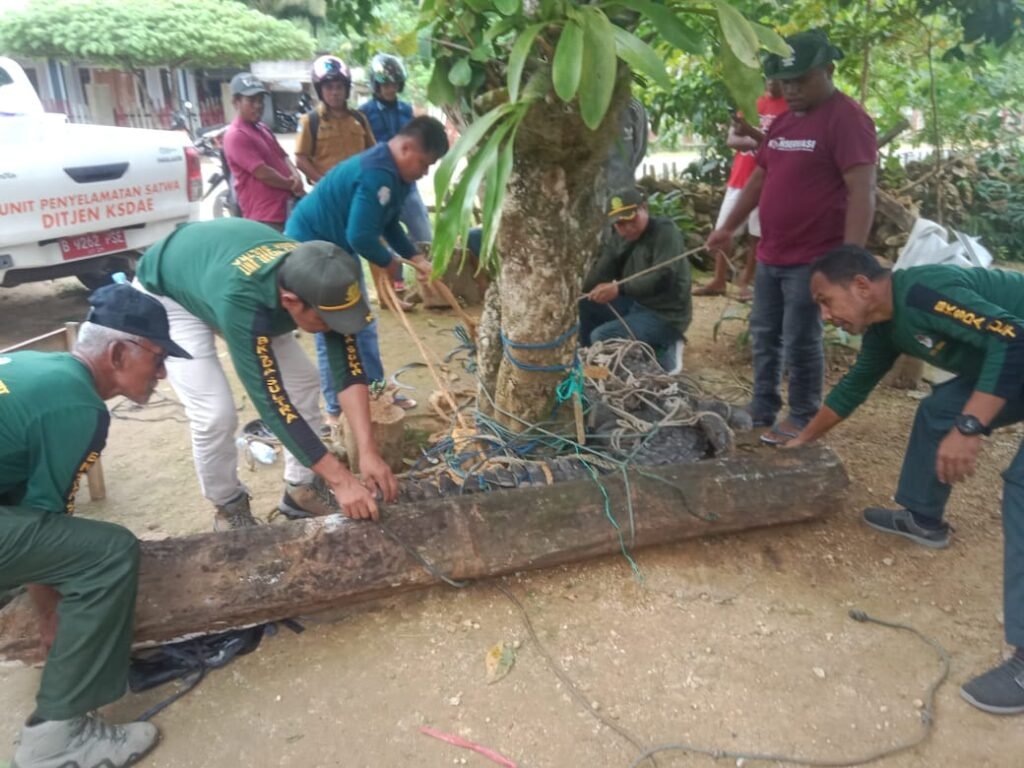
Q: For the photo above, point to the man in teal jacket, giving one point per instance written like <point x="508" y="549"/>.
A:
<point x="966" y="321"/>
<point x="357" y="205"/>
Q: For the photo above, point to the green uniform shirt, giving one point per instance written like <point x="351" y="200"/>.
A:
<point x="966" y="321"/>
<point x="225" y="273"/>
<point x="53" y="426"/>
<point x="666" y="291"/>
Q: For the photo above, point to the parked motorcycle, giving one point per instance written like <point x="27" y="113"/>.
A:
<point x="226" y="201"/>
<point x="287" y="121"/>
<point x="206" y="140"/>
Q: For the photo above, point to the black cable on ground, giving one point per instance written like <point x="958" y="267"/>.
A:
<point x="647" y="754"/>
<point x="927" y="720"/>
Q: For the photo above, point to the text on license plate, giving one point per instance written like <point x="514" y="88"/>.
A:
<point x="93" y="244"/>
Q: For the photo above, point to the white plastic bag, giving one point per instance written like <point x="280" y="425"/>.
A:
<point x="928" y="244"/>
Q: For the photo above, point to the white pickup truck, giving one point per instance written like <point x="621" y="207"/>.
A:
<point x="84" y="200"/>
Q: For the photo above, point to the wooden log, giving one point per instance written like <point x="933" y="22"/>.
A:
<point x="217" y="581"/>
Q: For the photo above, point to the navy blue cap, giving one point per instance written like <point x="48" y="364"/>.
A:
<point x="126" y="309"/>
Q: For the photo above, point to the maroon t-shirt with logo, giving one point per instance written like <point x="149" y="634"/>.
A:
<point x="803" y="200"/>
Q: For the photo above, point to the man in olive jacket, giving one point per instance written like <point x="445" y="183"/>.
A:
<point x="653" y="308"/>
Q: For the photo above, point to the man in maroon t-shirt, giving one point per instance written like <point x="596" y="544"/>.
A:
<point x="265" y="179"/>
<point x="815" y="187"/>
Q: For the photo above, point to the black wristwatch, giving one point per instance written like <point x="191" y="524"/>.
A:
<point x="970" y="426"/>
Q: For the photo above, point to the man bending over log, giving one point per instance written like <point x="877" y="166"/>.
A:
<point x="81" y="574"/>
<point x="253" y="286"/>
<point x="966" y="321"/>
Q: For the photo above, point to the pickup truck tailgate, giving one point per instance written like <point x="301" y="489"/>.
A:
<point x="60" y="180"/>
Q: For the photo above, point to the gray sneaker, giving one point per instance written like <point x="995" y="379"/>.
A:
<point x="901" y="522"/>
<point x="313" y="499"/>
<point x="235" y="514"/>
<point x="999" y="691"/>
<point x="84" y="742"/>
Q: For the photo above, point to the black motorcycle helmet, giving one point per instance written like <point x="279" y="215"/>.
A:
<point x="385" y="68"/>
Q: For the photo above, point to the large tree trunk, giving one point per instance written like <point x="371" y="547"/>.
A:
<point x="551" y="222"/>
<point x="216" y="581"/>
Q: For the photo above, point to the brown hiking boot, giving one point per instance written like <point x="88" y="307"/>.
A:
<point x="312" y="499"/>
<point x="234" y="514"/>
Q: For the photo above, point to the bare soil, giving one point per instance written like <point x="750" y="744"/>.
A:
<point x="733" y="643"/>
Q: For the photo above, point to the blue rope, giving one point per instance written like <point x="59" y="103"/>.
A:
<point x="507" y="343"/>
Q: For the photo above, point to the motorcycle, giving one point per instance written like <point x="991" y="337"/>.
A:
<point x="226" y="201"/>
<point x="286" y="121"/>
<point x="206" y="140"/>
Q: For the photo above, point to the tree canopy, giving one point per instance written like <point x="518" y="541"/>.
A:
<point x="137" y="33"/>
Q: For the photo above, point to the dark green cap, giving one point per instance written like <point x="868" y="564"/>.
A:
<point x="623" y="204"/>
<point x="327" y="278"/>
<point x="811" y="50"/>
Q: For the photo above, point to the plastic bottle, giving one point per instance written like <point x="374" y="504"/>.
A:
<point x="261" y="452"/>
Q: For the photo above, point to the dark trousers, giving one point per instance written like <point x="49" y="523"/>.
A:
<point x="599" y="323"/>
<point x="786" y="334"/>
<point x="920" y="490"/>
<point x="95" y="568"/>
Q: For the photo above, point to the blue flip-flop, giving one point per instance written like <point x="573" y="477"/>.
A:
<point x="777" y="436"/>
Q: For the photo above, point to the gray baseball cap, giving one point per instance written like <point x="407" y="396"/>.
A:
<point x="327" y="278"/>
<point x="247" y="84"/>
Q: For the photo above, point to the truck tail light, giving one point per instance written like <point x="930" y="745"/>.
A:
<point x="193" y="174"/>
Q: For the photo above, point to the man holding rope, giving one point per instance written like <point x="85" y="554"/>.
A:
<point x="620" y="303"/>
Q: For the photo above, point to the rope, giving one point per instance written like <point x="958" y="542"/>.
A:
<point x="507" y="343"/>
<point x="655" y="268"/>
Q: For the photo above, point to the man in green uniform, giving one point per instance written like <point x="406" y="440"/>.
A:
<point x="654" y="308"/>
<point x="81" y="574"/>
<point x="253" y="286"/>
<point x="966" y="321"/>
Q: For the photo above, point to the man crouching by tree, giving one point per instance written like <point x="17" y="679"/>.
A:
<point x="81" y="574"/>
<point x="621" y="303"/>
<point x="966" y="321"/>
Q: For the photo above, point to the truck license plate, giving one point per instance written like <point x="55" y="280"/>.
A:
<point x="93" y="244"/>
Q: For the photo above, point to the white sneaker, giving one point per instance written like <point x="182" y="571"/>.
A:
<point x="84" y="742"/>
<point x="672" y="359"/>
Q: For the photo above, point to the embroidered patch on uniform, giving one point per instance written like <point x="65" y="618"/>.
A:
<point x="961" y="315"/>
<point x="384" y="195"/>
<point x="925" y="341"/>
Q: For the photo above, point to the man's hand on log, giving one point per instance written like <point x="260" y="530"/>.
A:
<point x="377" y="476"/>
<point x="355" y="499"/>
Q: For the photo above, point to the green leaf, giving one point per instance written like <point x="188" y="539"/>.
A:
<point x="744" y="83"/>
<point x="640" y="57"/>
<point x="669" y="26"/>
<point x="568" y="62"/>
<point x="507" y="7"/>
<point x="440" y="90"/>
<point x="494" y="198"/>
<point x="739" y="35"/>
<point x="770" y="39"/>
<point x="461" y="73"/>
<point x="517" y="58"/>
<point x="408" y="43"/>
<point x="478" y="5"/>
<point x="467" y="141"/>
<point x="597" y="87"/>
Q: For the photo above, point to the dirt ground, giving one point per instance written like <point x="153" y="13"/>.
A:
<point x="737" y="643"/>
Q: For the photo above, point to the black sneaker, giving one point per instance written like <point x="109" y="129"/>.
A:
<point x="999" y="691"/>
<point x="901" y="522"/>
